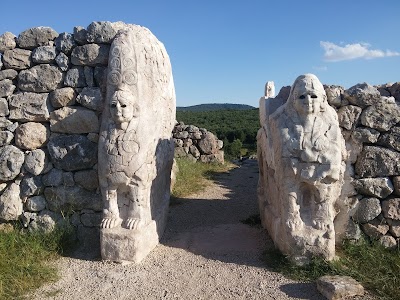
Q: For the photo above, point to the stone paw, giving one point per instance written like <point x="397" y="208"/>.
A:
<point x="294" y="225"/>
<point x="110" y="222"/>
<point x="134" y="224"/>
<point x="321" y="225"/>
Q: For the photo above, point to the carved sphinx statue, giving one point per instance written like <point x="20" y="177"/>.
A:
<point x="301" y="152"/>
<point x="135" y="147"/>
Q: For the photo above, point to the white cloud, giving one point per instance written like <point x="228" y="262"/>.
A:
<point x="352" y="51"/>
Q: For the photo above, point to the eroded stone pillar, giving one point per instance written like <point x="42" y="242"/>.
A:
<point x="301" y="152"/>
<point x="135" y="145"/>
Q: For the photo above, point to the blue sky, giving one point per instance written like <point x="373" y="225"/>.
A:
<point x="224" y="51"/>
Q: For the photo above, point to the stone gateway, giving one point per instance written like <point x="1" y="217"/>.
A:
<point x="135" y="145"/>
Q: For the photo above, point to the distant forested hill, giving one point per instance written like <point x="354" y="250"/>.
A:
<point x="215" y="106"/>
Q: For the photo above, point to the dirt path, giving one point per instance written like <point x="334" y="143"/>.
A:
<point x="206" y="253"/>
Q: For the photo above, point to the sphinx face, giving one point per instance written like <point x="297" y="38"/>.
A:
<point x="123" y="108"/>
<point x="308" y="96"/>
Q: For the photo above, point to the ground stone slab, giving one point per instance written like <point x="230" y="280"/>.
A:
<point x="391" y="208"/>
<point x="29" y="107"/>
<point x="72" y="152"/>
<point x="381" y="116"/>
<point x="74" y="120"/>
<point x="17" y="59"/>
<point x="90" y="55"/>
<point x="31" y="135"/>
<point x="40" y="78"/>
<point x="375" y="187"/>
<point x="367" y="210"/>
<point x="11" y="160"/>
<point x="339" y="287"/>
<point x="36" y="36"/>
<point x="10" y="203"/>
<point x="377" y="162"/>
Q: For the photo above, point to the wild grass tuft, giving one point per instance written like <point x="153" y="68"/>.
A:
<point x="25" y="257"/>
<point x="193" y="177"/>
<point x="376" y="268"/>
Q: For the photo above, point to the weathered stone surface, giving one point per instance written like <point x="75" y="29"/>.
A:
<point x="391" y="139"/>
<point x="45" y="221"/>
<point x="31" y="186"/>
<point x="391" y="208"/>
<point x="208" y="144"/>
<point x="365" y="135"/>
<point x="334" y="94"/>
<point x="72" y="152"/>
<point x="362" y="95"/>
<point x="6" y="88"/>
<point x="44" y="54"/>
<point x="65" y="42"/>
<point x="89" y="75"/>
<point x="394" y="228"/>
<point x="396" y="184"/>
<point x="394" y="90"/>
<point x="8" y="74"/>
<point x="348" y="116"/>
<point x="100" y="32"/>
<point x="217" y="157"/>
<point x="68" y="179"/>
<point x="7" y="41"/>
<point x="375" y="187"/>
<point x="74" y="120"/>
<point x="10" y="203"/>
<point x="194" y="151"/>
<point x="367" y="210"/>
<point x="17" y="59"/>
<point x="63" y="198"/>
<point x="36" y="36"/>
<point x="301" y="150"/>
<point x="29" y="107"/>
<point x="31" y="135"/>
<point x="4" y="123"/>
<point x="375" y="229"/>
<point x="36" y="162"/>
<point x="100" y="75"/>
<point x="339" y="287"/>
<point x="53" y="178"/>
<point x="40" y="78"/>
<point x="35" y="203"/>
<point x="4" y="107"/>
<point x="381" y="116"/>
<point x="135" y="145"/>
<point x="93" y="137"/>
<point x="5" y="138"/>
<point x="388" y="241"/>
<point x="377" y="162"/>
<point x="62" y="97"/>
<point x="87" y="179"/>
<point x="90" y="55"/>
<point x="11" y="160"/>
<point x="91" y="98"/>
<point x="62" y="61"/>
<point x="75" y="77"/>
<point x="181" y="135"/>
<point x="91" y="219"/>
<point x="80" y="35"/>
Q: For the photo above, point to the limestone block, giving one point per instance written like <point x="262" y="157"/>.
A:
<point x="334" y="95"/>
<point x="74" y="120"/>
<point x="208" y="144"/>
<point x="10" y="203"/>
<point x="45" y="221"/>
<point x="301" y="155"/>
<point x="377" y="162"/>
<point x="36" y="36"/>
<point x="375" y="187"/>
<point x="100" y="32"/>
<point x="87" y="179"/>
<point x="80" y="35"/>
<point x="65" y="42"/>
<point x="194" y="151"/>
<point x="36" y="162"/>
<point x="89" y="75"/>
<point x="135" y="145"/>
<point x="62" y="97"/>
<point x="62" y="61"/>
<point x="91" y="98"/>
<point x="28" y="106"/>
<point x="192" y="128"/>
<point x="53" y="178"/>
<point x="7" y="41"/>
<point x="40" y="78"/>
<point x="375" y="229"/>
<point x="8" y="74"/>
<point x="5" y="138"/>
<point x="93" y="137"/>
<point x="394" y="228"/>
<point x="72" y="152"/>
<point x="31" y="135"/>
<point x="365" y="135"/>
<point x="4" y="123"/>
<point x="396" y="184"/>
<point x="31" y="186"/>
<point x="391" y="208"/>
<point x="178" y="143"/>
<point x="381" y="116"/>
<point x="394" y="90"/>
<point x="90" y="55"/>
<point x="91" y="219"/>
<point x="44" y="54"/>
<point x="64" y="198"/>
<point x="99" y="75"/>
<point x="181" y="135"/>
<point x="35" y="203"/>
<point x="17" y="59"/>
<point x="362" y="95"/>
<point x="388" y="241"/>
<point x="367" y="210"/>
<point x="391" y="139"/>
<point x="339" y="287"/>
<point x="75" y="77"/>
<point x="11" y="160"/>
<point x="217" y="157"/>
<point x="6" y="88"/>
<point x="68" y="179"/>
<point x="348" y="116"/>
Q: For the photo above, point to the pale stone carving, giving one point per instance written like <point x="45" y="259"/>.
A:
<point x="135" y="145"/>
<point x="301" y="152"/>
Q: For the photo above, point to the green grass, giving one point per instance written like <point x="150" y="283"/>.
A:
<point x="25" y="257"/>
<point x="193" y="177"/>
<point x="376" y="268"/>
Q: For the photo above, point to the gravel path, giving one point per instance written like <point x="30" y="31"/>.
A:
<point x="205" y="253"/>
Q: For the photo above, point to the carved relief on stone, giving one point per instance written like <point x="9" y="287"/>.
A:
<point x="301" y="152"/>
<point x="135" y="145"/>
